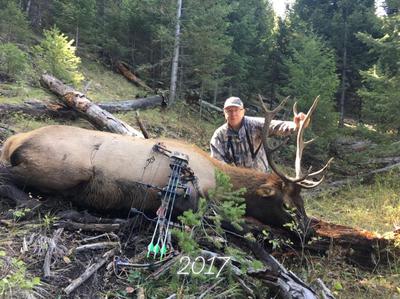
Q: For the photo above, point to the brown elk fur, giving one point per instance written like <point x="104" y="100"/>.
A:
<point x="109" y="171"/>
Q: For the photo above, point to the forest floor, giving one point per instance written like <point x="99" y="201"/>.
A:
<point x="27" y="236"/>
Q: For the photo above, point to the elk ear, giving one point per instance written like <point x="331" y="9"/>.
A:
<point x="266" y="191"/>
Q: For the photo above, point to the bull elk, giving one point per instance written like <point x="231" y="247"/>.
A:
<point x="107" y="171"/>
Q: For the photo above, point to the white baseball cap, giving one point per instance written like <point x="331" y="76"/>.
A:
<point x="233" y="102"/>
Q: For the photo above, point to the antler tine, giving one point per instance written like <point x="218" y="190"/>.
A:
<point x="265" y="134"/>
<point x="322" y="169"/>
<point x="308" y="184"/>
<point x="312" y="108"/>
<point x="295" y="108"/>
<point x="300" y="179"/>
<point x="300" y="142"/>
<point x="276" y="110"/>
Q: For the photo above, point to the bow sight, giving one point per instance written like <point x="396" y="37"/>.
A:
<point x="168" y="194"/>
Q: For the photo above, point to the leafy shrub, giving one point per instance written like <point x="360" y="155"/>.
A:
<point x="225" y="204"/>
<point x="13" y="62"/>
<point x="56" y="55"/>
<point x="14" y="278"/>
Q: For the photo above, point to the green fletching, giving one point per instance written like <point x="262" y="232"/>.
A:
<point x="163" y="251"/>
<point x="150" y="249"/>
<point x="156" y="250"/>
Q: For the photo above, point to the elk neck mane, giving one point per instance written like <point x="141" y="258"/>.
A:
<point x="249" y="178"/>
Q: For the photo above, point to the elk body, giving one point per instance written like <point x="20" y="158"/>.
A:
<point x="108" y="171"/>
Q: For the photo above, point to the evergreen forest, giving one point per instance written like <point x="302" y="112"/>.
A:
<point x="194" y="55"/>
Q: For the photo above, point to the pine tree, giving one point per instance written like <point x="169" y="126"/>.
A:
<point x="76" y="17"/>
<point x="251" y="29"/>
<point x="14" y="26"/>
<point x="13" y="62"/>
<point x="277" y="72"/>
<point x="381" y="82"/>
<point x="311" y="70"/>
<point x="205" y="45"/>
<point x="56" y="55"/>
<point x="347" y="17"/>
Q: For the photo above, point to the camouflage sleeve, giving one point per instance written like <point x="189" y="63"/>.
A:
<point x="277" y="127"/>
<point x="217" y="147"/>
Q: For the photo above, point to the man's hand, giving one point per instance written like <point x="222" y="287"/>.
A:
<point x="299" y="118"/>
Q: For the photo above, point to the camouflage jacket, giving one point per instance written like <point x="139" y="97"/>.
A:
<point x="244" y="147"/>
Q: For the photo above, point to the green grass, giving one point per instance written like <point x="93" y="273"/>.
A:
<point x="22" y="123"/>
<point x="179" y="122"/>
<point x="107" y="86"/>
<point x="374" y="207"/>
<point x="347" y="281"/>
<point x="17" y="93"/>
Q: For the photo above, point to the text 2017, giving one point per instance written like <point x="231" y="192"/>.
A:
<point x="189" y="266"/>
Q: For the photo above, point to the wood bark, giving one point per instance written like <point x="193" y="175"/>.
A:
<point x="284" y="283"/>
<point x="100" y="118"/>
<point x="363" y="248"/>
<point x="94" y="227"/>
<point x="175" y="59"/>
<point x="129" y="105"/>
<point x="124" y="70"/>
<point x="211" y="106"/>
<point x="40" y="109"/>
<point x="97" y="246"/>
<point x="344" y="69"/>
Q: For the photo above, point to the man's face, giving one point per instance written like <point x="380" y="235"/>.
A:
<point x="234" y="116"/>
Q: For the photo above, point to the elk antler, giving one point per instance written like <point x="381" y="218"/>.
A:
<point x="303" y="180"/>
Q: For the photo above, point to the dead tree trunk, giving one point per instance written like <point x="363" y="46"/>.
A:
<point x="211" y="106"/>
<point x="39" y="109"/>
<point x="363" y="248"/>
<point x="100" y="118"/>
<point x="135" y="104"/>
<point x="175" y="59"/>
<point x="121" y="67"/>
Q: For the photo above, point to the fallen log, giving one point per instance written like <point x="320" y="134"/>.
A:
<point x="129" y="105"/>
<point x="38" y="109"/>
<point x="385" y="160"/>
<point x="334" y="186"/>
<point x="41" y="109"/>
<point x="210" y="106"/>
<point x="360" y="247"/>
<point x="124" y="70"/>
<point x="94" y="227"/>
<point x="363" y="248"/>
<point x="100" y="118"/>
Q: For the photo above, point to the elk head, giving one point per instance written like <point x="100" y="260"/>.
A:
<point x="291" y="186"/>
